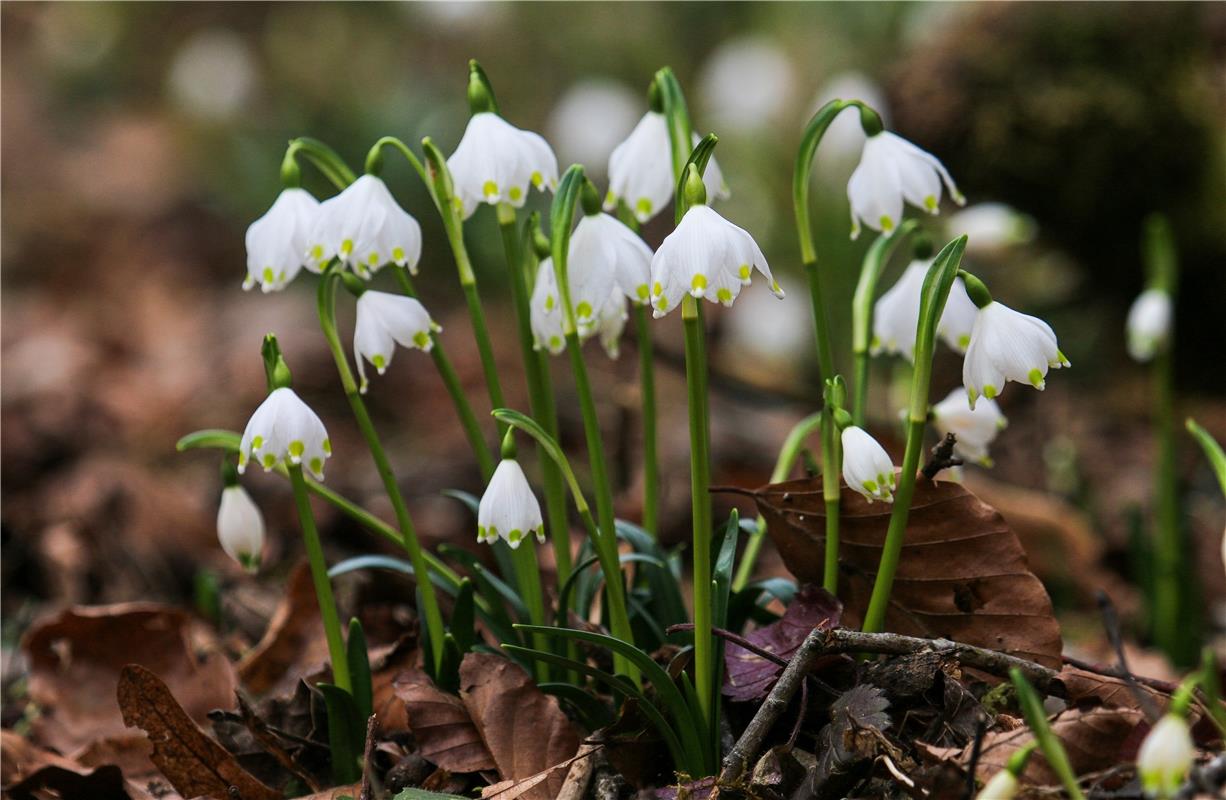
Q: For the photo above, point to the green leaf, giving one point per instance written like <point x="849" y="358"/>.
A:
<point x="359" y="672"/>
<point x="1213" y="451"/>
<point x="346" y="736"/>
<point x="462" y="625"/>
<point x="667" y="601"/>
<point x="467" y="498"/>
<point x="448" y="677"/>
<point x="414" y="793"/>
<point x="725" y="562"/>
<point x="568" y="585"/>
<point x="493" y="588"/>
<point x="210" y="437"/>
<point x="594" y="713"/>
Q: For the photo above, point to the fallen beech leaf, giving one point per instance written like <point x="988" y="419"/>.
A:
<point x="293" y="646"/>
<point x="963" y="574"/>
<point x="524" y="729"/>
<point x="335" y="793"/>
<point x="750" y="676"/>
<point x="387" y="663"/>
<point x="193" y="763"/>
<point x="103" y="783"/>
<point x="76" y="657"/>
<point x="441" y="726"/>
<point x="1084" y="687"/>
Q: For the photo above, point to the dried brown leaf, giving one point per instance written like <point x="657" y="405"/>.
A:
<point x="441" y="726"/>
<point x="524" y="729"/>
<point x="293" y="646"/>
<point x="193" y="763"/>
<point x="963" y="574"/>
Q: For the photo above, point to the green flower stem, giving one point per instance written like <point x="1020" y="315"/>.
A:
<point x="783" y="467"/>
<point x="323" y="586"/>
<point x="528" y="576"/>
<point x="540" y="394"/>
<point x="323" y="157"/>
<point x="832" y="446"/>
<point x="430" y="611"/>
<point x="937" y="284"/>
<point x="1036" y="718"/>
<point x="561" y="219"/>
<point x="814" y="132"/>
<point x="700" y="503"/>
<point x="647" y="392"/>
<point x="874" y="263"/>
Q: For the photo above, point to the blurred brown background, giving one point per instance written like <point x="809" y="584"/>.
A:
<point x="140" y="140"/>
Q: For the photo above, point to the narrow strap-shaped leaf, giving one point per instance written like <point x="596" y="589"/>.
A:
<point x="471" y="501"/>
<point x="346" y="733"/>
<point x="463" y="622"/>
<point x="359" y="671"/>
<point x="493" y="588"/>
<point x="594" y="713"/>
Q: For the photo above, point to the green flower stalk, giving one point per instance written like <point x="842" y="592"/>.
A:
<point x="1049" y="744"/>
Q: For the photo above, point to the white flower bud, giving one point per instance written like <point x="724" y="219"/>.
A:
<point x="1002" y="786"/>
<point x="1149" y="324"/>
<point x="976" y="428"/>
<point x="240" y="527"/>
<point x="866" y="465"/>
<point x="508" y="508"/>
<point x="1165" y="756"/>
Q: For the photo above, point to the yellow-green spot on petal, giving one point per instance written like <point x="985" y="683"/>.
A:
<point x="297" y="448"/>
<point x="549" y="302"/>
<point x="662" y="303"/>
<point x="327" y="446"/>
<point x="930" y="203"/>
<point x="373" y="259"/>
<point x="724" y="294"/>
<point x="515" y="536"/>
<point x="887" y="224"/>
<point x="397" y="254"/>
<point x="347" y="246"/>
<point x="775" y="287"/>
<point x="744" y="272"/>
<point x="657" y="288"/>
<point x="257" y="442"/>
<point x="269" y="277"/>
<point x="317" y="252"/>
<point x="491" y="532"/>
<point x="610" y="199"/>
<point x="1036" y="377"/>
<point x="317" y="465"/>
<point x="515" y="193"/>
<point x="643" y="292"/>
<point x="964" y="341"/>
<point x="555" y="342"/>
<point x="379" y="361"/>
<point x="421" y="339"/>
<point x="537" y="179"/>
<point x="989" y="391"/>
<point x="643" y="206"/>
<point x="481" y="533"/>
<point x="489" y="189"/>
<point x="584" y="310"/>
<point x="242" y="459"/>
<point x="698" y="283"/>
<point x="870" y="485"/>
<point x="269" y="460"/>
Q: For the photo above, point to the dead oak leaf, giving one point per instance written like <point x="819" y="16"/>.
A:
<point x="293" y="646"/>
<point x="444" y="733"/>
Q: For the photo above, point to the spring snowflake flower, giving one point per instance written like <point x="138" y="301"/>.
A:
<point x="896" y="314"/>
<point x="277" y="242"/>
<point x="1002" y="786"/>
<point x="891" y="171"/>
<point x="641" y="170"/>
<point x="285" y="430"/>
<point x="365" y="228"/>
<point x="385" y="320"/>
<point x="240" y="527"/>
<point x="609" y="319"/>
<point x="706" y="256"/>
<point x="866" y="465"/>
<point x="976" y="428"/>
<point x="509" y="508"/>
<point x="991" y="227"/>
<point x="1165" y="756"/>
<point x="1149" y="324"/>
<point x="605" y="256"/>
<point x="496" y="162"/>
<point x="1007" y="345"/>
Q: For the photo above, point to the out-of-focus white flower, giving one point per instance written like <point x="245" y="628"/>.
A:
<point x="285" y="430"/>
<point x="1002" y="786"/>
<point x="866" y="465"/>
<point x="508" y="508"/>
<point x="641" y="170"/>
<point x="365" y="228"/>
<point x="1165" y="756"/>
<point x="240" y="527"/>
<point x="896" y="314"/>
<point x="1149" y="324"/>
<point x="976" y="428"/>
<point x="385" y="320"/>
<point x="990" y="227"/>
<point x="1007" y="345"/>
<point x="590" y="119"/>
<point x="608" y="320"/>
<point x="747" y="84"/>
<point x="769" y="337"/>
<point x="212" y="75"/>
<point x="496" y="162"/>
<point x="604" y="256"/>
<point x="844" y="139"/>
<point x="891" y="171"/>
<point x="706" y="256"/>
<point x="277" y="242"/>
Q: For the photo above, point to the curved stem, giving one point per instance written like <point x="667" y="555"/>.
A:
<point x="647" y="392"/>
<point x="874" y="263"/>
<point x="323" y="586"/>
<point x="327" y="320"/>
<point x="700" y="504"/>
<point x="325" y="159"/>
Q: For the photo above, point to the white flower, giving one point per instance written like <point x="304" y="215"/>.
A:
<point x="641" y="170"/>
<point x="285" y="430"/>
<point x="496" y="162"/>
<point x="844" y="139"/>
<point x="706" y="256"/>
<point x="896" y="314"/>
<point x="605" y="256"/>
<point x="866" y="465"/>
<point x="509" y="508"/>
<point x="976" y="428"/>
<point x="990" y="227"/>
<point x="385" y="320"/>
<point x="1149" y="324"/>
<point x="1165" y="756"/>
<point x="590" y="119"/>
<point x="1007" y="345"/>
<point x="365" y="228"/>
<point x="608" y="320"/>
<point x="892" y="170"/>
<point x="277" y="242"/>
<point x="747" y="84"/>
<point x="240" y="527"/>
<point x="1003" y="786"/>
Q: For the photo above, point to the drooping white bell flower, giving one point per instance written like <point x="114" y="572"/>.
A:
<point x="385" y="320"/>
<point x="508" y="508"/>
<point x="608" y="321"/>
<point x="1149" y="324"/>
<point x="1165" y="756"/>
<point x="590" y="119"/>
<point x="285" y="430"/>
<point x="240" y="527"/>
<point x="891" y="171"/>
<point x="1002" y="786"/>
<point x="990" y="227"/>
<point x="365" y="228"/>
<point x="976" y="428"/>
<point x="496" y="162"/>
<point x="605" y="255"/>
<point x="641" y="170"/>
<point x="1007" y="345"/>
<point x="705" y="256"/>
<point x="866" y="465"/>
<point x="277" y="242"/>
<point x="747" y="85"/>
<point x="896" y="314"/>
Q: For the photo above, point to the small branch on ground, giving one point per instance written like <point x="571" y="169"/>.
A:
<point x="942" y="457"/>
<point x="1111" y="621"/>
<point x="1208" y="780"/>
<point x="368" y="762"/>
<point x="267" y="739"/>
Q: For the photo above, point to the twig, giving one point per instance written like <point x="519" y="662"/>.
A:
<point x="1111" y="621"/>
<point x="368" y="762"/>
<point x="1209" y="779"/>
<point x="942" y="457"/>
<point x="746" y="748"/>
<point x="976" y="750"/>
<point x="261" y="733"/>
<point x="761" y="652"/>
